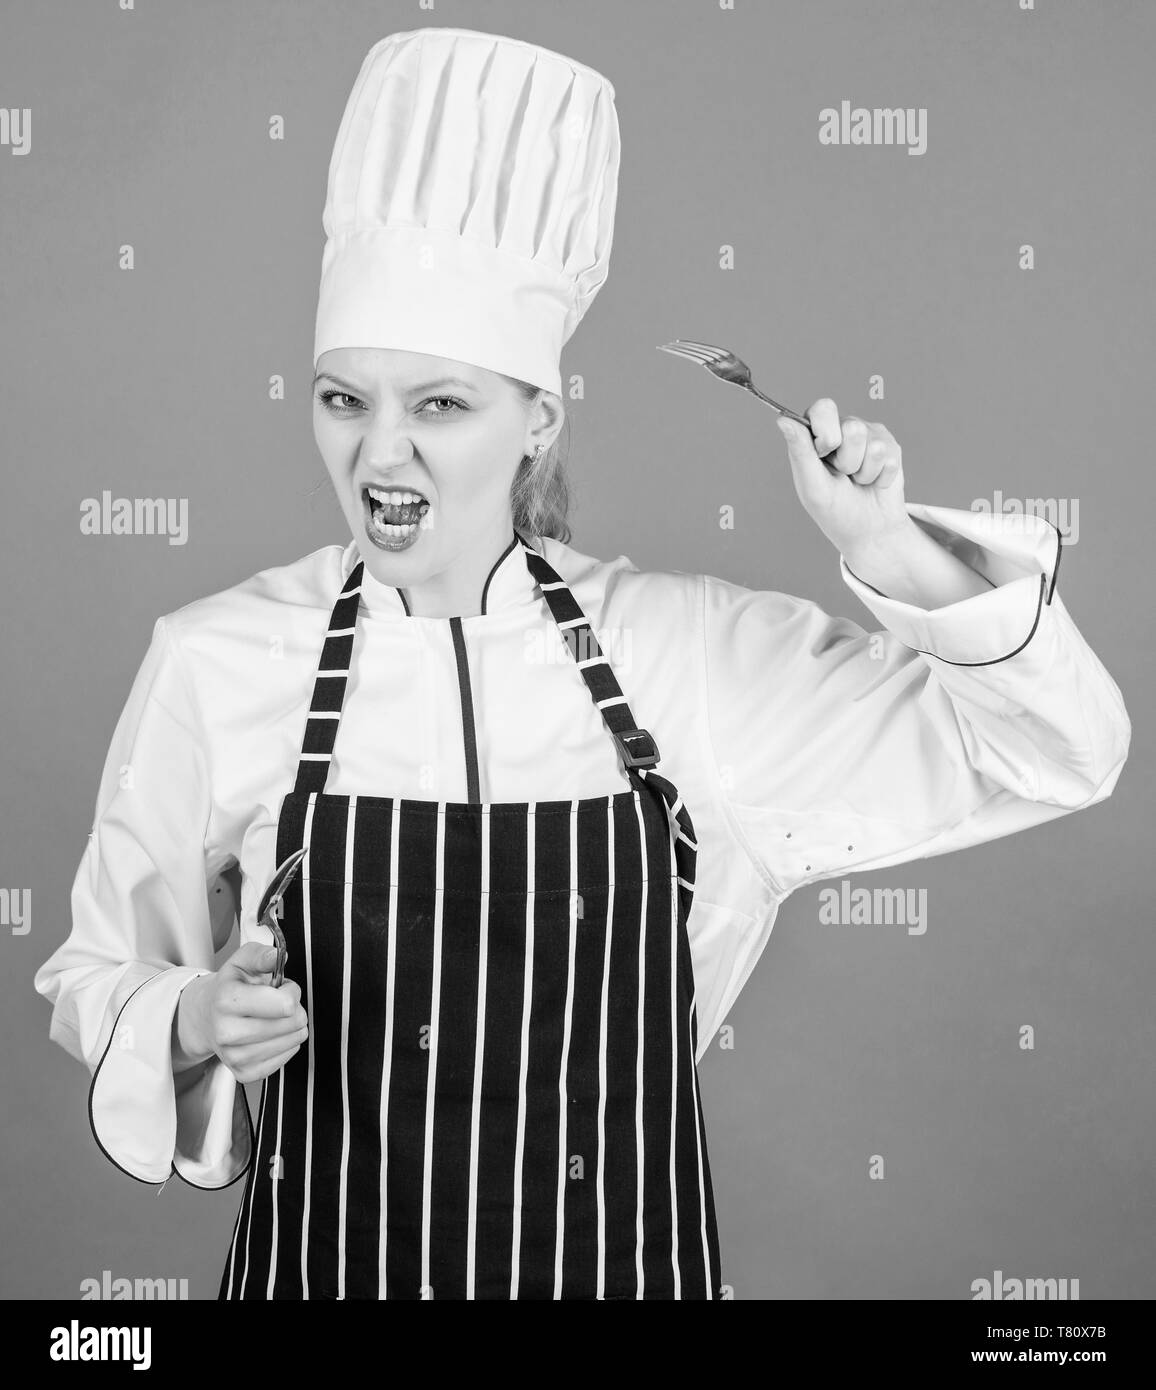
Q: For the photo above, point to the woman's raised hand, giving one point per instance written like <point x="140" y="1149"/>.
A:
<point x="236" y="1014"/>
<point x="855" y="496"/>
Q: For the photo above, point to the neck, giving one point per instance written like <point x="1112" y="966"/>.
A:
<point x="456" y="591"/>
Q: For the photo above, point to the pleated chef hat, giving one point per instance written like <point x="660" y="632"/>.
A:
<point x="470" y="205"/>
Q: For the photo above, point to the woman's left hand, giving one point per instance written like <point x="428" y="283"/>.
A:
<point x="858" y="503"/>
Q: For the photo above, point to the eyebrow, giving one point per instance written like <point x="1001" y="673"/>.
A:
<point x="420" y="386"/>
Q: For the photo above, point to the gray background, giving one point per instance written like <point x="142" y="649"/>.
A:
<point x="150" y="127"/>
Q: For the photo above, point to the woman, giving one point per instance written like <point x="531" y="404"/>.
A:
<point x="512" y="937"/>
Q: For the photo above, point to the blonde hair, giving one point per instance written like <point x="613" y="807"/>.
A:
<point x="540" y="493"/>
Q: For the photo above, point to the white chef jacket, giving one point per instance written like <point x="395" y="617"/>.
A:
<point x="804" y="747"/>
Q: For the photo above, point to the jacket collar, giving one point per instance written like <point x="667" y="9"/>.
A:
<point x="508" y="585"/>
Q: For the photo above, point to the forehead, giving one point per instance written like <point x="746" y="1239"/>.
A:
<point x="401" y="369"/>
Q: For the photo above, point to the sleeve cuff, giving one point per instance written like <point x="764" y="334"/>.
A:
<point x="1019" y="555"/>
<point x="151" y="1124"/>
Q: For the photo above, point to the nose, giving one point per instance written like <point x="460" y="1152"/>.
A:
<point x="388" y="467"/>
<point x="386" y="442"/>
<point x="385" y="468"/>
<point x="382" y="455"/>
<point x="382" y="469"/>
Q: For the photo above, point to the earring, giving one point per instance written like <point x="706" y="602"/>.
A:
<point x="537" y="459"/>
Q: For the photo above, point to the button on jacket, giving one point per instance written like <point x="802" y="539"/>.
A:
<point x="804" y="746"/>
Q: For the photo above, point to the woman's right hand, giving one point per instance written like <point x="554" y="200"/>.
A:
<point x="236" y="1014"/>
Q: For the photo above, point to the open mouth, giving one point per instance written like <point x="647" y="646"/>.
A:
<point x="395" y="512"/>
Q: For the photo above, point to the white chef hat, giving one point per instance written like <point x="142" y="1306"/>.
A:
<point x="470" y="205"/>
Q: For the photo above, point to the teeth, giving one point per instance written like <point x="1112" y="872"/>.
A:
<point x="394" y="497"/>
<point x="397" y="530"/>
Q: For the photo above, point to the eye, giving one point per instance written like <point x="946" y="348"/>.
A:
<point x="331" y="399"/>
<point x="327" y="397"/>
<point x="451" y="400"/>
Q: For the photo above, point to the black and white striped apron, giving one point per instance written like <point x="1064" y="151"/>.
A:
<point x="498" y="1098"/>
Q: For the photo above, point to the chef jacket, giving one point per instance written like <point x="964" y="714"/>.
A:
<point x="804" y="746"/>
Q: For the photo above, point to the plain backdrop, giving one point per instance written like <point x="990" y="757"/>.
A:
<point x="150" y="127"/>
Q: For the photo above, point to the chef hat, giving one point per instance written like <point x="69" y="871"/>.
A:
<point x="470" y="205"/>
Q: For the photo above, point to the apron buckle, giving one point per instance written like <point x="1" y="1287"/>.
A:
<point x="637" y="747"/>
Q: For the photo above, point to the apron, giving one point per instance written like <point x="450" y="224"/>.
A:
<point x="498" y="1097"/>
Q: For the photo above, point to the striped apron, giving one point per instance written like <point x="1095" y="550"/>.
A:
<point x="498" y="1097"/>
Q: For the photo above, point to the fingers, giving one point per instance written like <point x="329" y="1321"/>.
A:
<point x="247" y="1055"/>
<point x="864" y="451"/>
<point x="254" y="1070"/>
<point x="824" y="418"/>
<point x="259" y="1001"/>
<point x="250" y="967"/>
<point x="841" y="444"/>
<point x="255" y="1029"/>
<point x="884" y="456"/>
<point x="252" y="1048"/>
<point x="258" y="1011"/>
<point x="233" y="1028"/>
<point x="848" y="457"/>
<point x="252" y="960"/>
<point x="247" y="1014"/>
<point x="259" y="998"/>
<point x="812" y="479"/>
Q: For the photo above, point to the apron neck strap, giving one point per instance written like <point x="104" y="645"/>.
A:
<point x="636" y="746"/>
<point x="329" y="688"/>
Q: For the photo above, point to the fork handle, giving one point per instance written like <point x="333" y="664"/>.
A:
<point x="790" y="414"/>
<point x="782" y="409"/>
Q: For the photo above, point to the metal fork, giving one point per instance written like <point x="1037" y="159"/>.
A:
<point x="270" y="910"/>
<point x="727" y="367"/>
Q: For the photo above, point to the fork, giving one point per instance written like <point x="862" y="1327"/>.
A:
<point x="270" y="909"/>
<point x="728" y="367"/>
